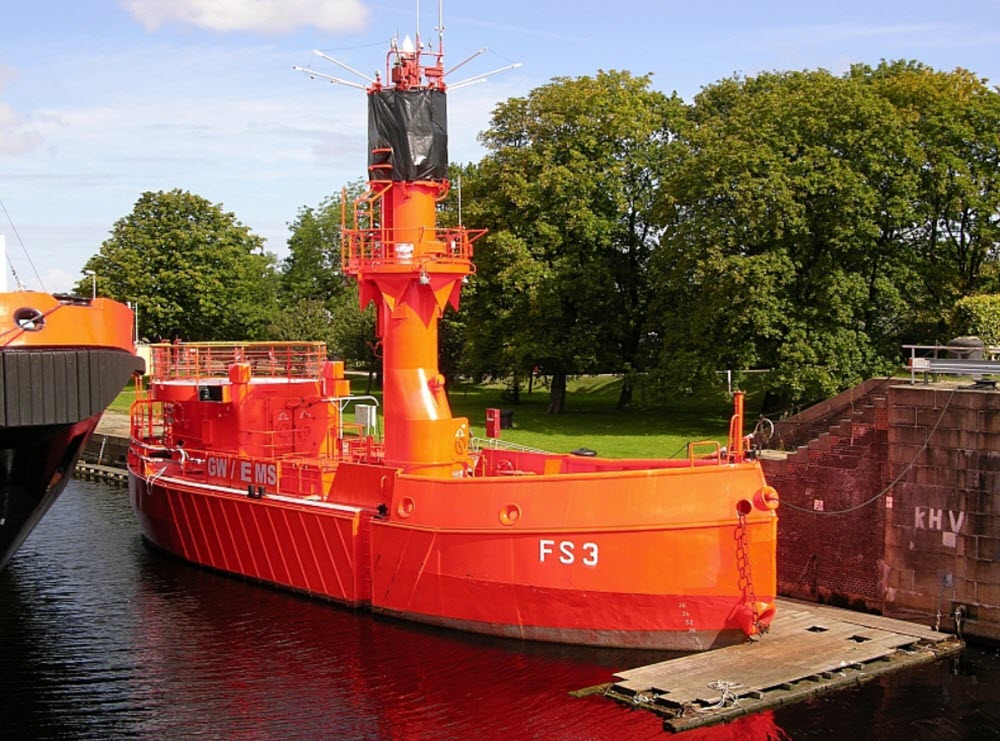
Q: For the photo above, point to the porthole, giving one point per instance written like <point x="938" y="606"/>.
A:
<point x="28" y="319"/>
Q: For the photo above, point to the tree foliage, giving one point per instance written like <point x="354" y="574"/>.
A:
<point x="195" y="271"/>
<point x="566" y="190"/>
<point x="801" y="222"/>
<point x="318" y="302"/>
<point x="811" y="225"/>
<point x="978" y="316"/>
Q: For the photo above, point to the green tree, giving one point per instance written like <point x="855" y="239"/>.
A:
<point x="787" y="212"/>
<point x="955" y="119"/>
<point x="566" y="190"/>
<point x="318" y="301"/>
<point x="312" y="268"/>
<point x="195" y="272"/>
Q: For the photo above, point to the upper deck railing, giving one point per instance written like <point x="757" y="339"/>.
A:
<point x="202" y="360"/>
<point x="364" y="249"/>
<point x="367" y="244"/>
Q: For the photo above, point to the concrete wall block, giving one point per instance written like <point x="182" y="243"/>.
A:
<point x="926" y="557"/>
<point x="928" y="582"/>
<point x="980" y="524"/>
<point x="967" y="398"/>
<point x="902" y="454"/>
<point x="908" y="395"/>
<point x="902" y="416"/>
<point x="984" y="572"/>
<point x="988" y="594"/>
<point x="941" y="418"/>
<point x="938" y="455"/>
<point x="966" y="419"/>
<point x="971" y="499"/>
<point x="942" y="438"/>
<point x="989" y="460"/>
<point x="964" y="590"/>
<point x="907" y="436"/>
<point x="988" y="442"/>
<point x="935" y="496"/>
<point x="896" y="538"/>
<point x="989" y="421"/>
<point x="904" y="604"/>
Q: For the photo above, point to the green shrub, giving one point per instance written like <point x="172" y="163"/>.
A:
<point x="978" y="316"/>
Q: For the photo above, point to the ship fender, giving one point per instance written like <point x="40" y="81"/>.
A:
<point x="744" y="617"/>
<point x="766" y="498"/>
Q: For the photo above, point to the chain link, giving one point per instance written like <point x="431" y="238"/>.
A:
<point x="746" y="578"/>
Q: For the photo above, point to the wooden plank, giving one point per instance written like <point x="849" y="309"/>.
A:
<point x="809" y="646"/>
<point x="760" y="665"/>
<point x="804" y="690"/>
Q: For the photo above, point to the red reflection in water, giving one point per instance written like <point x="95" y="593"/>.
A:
<point x="241" y="658"/>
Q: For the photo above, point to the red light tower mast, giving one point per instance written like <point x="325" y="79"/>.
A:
<point x="408" y="267"/>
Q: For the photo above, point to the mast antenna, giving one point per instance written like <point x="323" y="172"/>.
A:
<point x="482" y="77"/>
<point x="313" y="74"/>
<point x="440" y="28"/>
<point x="24" y="249"/>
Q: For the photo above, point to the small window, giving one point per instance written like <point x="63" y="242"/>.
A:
<point x="28" y="319"/>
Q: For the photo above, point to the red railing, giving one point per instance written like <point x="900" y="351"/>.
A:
<point x="363" y="249"/>
<point x="197" y="360"/>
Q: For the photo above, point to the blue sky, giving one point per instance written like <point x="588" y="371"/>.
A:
<point x="101" y="100"/>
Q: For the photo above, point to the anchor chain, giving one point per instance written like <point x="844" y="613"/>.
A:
<point x="746" y="577"/>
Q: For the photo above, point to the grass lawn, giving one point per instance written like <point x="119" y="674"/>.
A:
<point x="124" y="400"/>
<point x="590" y="420"/>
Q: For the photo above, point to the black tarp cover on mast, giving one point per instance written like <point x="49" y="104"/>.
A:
<point x="414" y="125"/>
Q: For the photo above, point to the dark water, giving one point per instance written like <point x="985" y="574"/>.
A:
<point x="102" y="637"/>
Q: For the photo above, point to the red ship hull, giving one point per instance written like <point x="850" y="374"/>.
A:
<point x="660" y="571"/>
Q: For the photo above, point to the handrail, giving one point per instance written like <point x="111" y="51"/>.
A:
<point x="204" y="360"/>
<point x="929" y="362"/>
<point x="704" y="443"/>
<point x="364" y="248"/>
<point x="494" y="443"/>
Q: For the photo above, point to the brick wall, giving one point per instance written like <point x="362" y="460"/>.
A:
<point x="810" y="423"/>
<point x="829" y="548"/>
<point x="931" y="543"/>
<point x="943" y="519"/>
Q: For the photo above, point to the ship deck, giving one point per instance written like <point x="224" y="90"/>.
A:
<point x="809" y="650"/>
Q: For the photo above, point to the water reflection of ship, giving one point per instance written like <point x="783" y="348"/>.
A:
<point x="267" y="662"/>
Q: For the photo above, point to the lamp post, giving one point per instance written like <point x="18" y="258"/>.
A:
<point x="93" y="281"/>
<point x="134" y="306"/>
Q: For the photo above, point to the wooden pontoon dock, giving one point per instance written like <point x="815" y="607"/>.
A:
<point x="810" y="649"/>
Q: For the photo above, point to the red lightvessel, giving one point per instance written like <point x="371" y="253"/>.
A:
<point x="244" y="458"/>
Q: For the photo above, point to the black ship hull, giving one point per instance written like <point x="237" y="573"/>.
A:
<point x="50" y="402"/>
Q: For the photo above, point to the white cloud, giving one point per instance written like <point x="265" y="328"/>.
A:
<point x="57" y="280"/>
<point x="16" y="136"/>
<point x="268" y="16"/>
